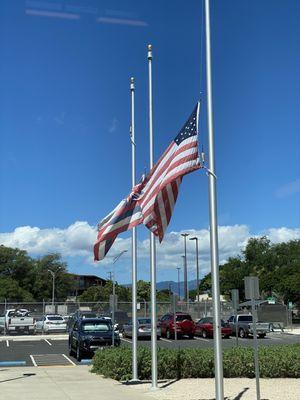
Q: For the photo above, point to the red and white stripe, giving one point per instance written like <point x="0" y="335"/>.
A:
<point x="159" y="196"/>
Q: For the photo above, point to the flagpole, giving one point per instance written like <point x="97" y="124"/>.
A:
<point x="134" y="246"/>
<point x="152" y="244"/>
<point x="219" y="384"/>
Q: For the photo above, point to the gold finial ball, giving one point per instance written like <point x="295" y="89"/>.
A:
<point x="149" y="47"/>
<point x="132" y="79"/>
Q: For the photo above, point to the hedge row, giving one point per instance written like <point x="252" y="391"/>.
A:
<point x="275" y="362"/>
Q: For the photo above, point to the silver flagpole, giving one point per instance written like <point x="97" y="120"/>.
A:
<point x="213" y="222"/>
<point x="134" y="247"/>
<point x="152" y="244"/>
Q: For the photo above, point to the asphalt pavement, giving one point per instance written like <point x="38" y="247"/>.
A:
<point x="53" y="350"/>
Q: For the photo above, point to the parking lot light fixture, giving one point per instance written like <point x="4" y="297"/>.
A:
<point x="53" y="284"/>
<point x="186" y="294"/>
<point x="197" y="264"/>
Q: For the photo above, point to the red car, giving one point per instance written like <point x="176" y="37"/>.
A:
<point x="184" y="325"/>
<point x="204" y="328"/>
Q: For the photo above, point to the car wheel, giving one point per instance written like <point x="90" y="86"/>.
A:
<point x="242" y="333"/>
<point x="78" y="353"/>
<point x="204" y="334"/>
<point x="123" y="334"/>
<point x="262" y="335"/>
<point x="168" y="334"/>
<point x="158" y="338"/>
<point x="191" y="336"/>
<point x="226" y="336"/>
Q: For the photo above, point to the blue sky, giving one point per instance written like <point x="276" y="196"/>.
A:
<point x="65" y="116"/>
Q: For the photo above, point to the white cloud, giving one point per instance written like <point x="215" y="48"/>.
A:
<point x="282" y="234"/>
<point x="77" y="241"/>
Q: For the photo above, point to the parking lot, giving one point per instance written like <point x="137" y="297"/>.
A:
<point x="52" y="350"/>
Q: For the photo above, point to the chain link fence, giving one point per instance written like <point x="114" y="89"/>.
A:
<point x="123" y="310"/>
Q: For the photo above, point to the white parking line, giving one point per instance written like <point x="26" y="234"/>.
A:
<point x="50" y="344"/>
<point x="7" y="343"/>
<point x="67" y="358"/>
<point x="166" y="340"/>
<point x="126" y="340"/>
<point x="33" y="361"/>
<point x="200" y="338"/>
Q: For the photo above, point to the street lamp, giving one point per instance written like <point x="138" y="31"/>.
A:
<point x="197" y="264"/>
<point x="53" y="284"/>
<point x="114" y="294"/>
<point x="178" y="281"/>
<point x="186" y="294"/>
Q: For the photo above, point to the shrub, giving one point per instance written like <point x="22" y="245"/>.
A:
<point x="274" y="362"/>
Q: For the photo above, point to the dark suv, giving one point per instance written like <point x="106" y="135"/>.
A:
<point x="90" y="334"/>
<point x="184" y="325"/>
<point x="79" y="314"/>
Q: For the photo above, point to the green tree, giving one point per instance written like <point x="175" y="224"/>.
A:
<point x="143" y="290"/>
<point x="276" y="265"/>
<point x="164" y="295"/>
<point x="64" y="282"/>
<point x="17" y="265"/>
<point x="11" y="291"/>
<point x="102" y="293"/>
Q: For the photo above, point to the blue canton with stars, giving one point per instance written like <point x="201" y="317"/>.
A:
<point x="189" y="129"/>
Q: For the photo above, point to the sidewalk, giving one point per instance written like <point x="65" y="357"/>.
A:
<point x="292" y="331"/>
<point x="234" y="389"/>
<point x="16" y="338"/>
<point x="77" y="383"/>
<point x="60" y="383"/>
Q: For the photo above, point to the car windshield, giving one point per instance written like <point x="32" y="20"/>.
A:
<point x="210" y="321"/>
<point x="88" y="315"/>
<point x="143" y="321"/>
<point x="96" y="326"/>
<point x="182" y="317"/>
<point x="245" y="318"/>
<point x="55" y="318"/>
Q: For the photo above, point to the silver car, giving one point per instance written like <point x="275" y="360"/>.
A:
<point x="51" y="323"/>
<point x="143" y="329"/>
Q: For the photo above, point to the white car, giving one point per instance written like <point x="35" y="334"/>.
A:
<point x="51" y="323"/>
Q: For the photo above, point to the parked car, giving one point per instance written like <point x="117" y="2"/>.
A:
<point x="143" y="329"/>
<point x="107" y="318"/>
<point x="245" y="326"/>
<point x="184" y="325"/>
<point x="204" y="328"/>
<point x="51" y="323"/>
<point x="18" y="321"/>
<point x="79" y="314"/>
<point x="90" y="334"/>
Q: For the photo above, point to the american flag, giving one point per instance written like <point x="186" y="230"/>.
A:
<point x="125" y="216"/>
<point x="152" y="201"/>
<point x="159" y="195"/>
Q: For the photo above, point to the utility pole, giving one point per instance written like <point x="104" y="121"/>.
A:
<point x="53" y="285"/>
<point x="186" y="294"/>
<point x="178" y="281"/>
<point x="197" y="265"/>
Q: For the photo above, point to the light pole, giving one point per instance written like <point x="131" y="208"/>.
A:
<point x="186" y="294"/>
<point x="53" y="285"/>
<point x="178" y="281"/>
<point x="197" y="264"/>
<point x="113" y="297"/>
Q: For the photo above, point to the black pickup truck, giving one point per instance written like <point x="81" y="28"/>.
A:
<point x="90" y="334"/>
